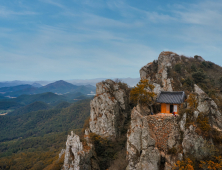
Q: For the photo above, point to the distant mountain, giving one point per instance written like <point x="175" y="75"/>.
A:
<point x="15" y="88"/>
<point x="86" y="81"/>
<point x="14" y="83"/>
<point x="63" y="87"/>
<point x="30" y="108"/>
<point x="49" y="98"/>
<point x="30" y="90"/>
<point x="17" y="82"/>
<point x="130" y="81"/>
<point x="58" y="87"/>
<point x="77" y="82"/>
<point x="36" y="85"/>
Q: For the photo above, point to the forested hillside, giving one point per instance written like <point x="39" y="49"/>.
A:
<point x="35" y="138"/>
<point x="35" y="106"/>
<point x="51" y="99"/>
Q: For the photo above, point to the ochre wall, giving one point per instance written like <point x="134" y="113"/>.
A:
<point x="165" y="108"/>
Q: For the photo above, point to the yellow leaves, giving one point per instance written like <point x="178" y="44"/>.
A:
<point x="33" y="160"/>
<point x="203" y="126"/>
<point x="143" y="92"/>
<point x="211" y="165"/>
<point x="96" y="138"/>
<point x="187" y="164"/>
<point x="56" y="164"/>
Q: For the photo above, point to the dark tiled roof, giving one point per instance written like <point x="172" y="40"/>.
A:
<point x="171" y="97"/>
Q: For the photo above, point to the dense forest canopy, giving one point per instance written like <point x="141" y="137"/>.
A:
<point x="35" y="138"/>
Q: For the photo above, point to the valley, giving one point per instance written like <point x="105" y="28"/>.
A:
<point x="34" y="126"/>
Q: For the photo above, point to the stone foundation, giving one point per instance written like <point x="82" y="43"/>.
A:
<point x="162" y="126"/>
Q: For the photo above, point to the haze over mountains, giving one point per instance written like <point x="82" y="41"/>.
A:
<point x="19" y="96"/>
<point x="58" y="87"/>
<point x="129" y="81"/>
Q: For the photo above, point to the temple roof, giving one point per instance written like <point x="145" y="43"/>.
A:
<point x="171" y="97"/>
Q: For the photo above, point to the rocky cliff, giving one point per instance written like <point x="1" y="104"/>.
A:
<point x="80" y="155"/>
<point x="154" y="141"/>
<point x="157" y="71"/>
<point x="109" y="109"/>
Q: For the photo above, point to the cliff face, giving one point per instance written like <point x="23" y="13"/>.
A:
<point x="109" y="109"/>
<point x="194" y="143"/>
<point x="149" y="139"/>
<point x="157" y="71"/>
<point x="141" y="144"/>
<point x="153" y="141"/>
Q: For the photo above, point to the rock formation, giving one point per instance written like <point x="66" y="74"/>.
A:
<point x="141" y="144"/>
<point x="192" y="142"/>
<point x="149" y="139"/>
<point x="79" y="156"/>
<point x="157" y="71"/>
<point x="199" y="58"/>
<point x="109" y="109"/>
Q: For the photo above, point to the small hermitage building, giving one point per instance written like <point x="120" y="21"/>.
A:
<point x="170" y="101"/>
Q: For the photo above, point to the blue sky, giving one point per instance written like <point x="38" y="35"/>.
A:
<point x="73" y="39"/>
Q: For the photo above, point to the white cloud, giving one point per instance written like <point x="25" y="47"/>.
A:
<point x="88" y="44"/>
<point x="4" y="12"/>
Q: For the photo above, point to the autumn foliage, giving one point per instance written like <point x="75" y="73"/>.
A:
<point x="211" y="165"/>
<point x="142" y="93"/>
<point x="187" y="164"/>
<point x="192" y="101"/>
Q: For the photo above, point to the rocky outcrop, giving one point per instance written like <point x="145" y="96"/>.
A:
<point x="192" y="142"/>
<point x="157" y="72"/>
<point x="208" y="106"/>
<point x="109" y="109"/>
<point x="141" y="144"/>
<point x="199" y="58"/>
<point x="79" y="155"/>
<point x="61" y="153"/>
<point x="150" y="138"/>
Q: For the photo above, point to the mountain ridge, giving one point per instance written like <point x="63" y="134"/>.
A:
<point x="59" y="87"/>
